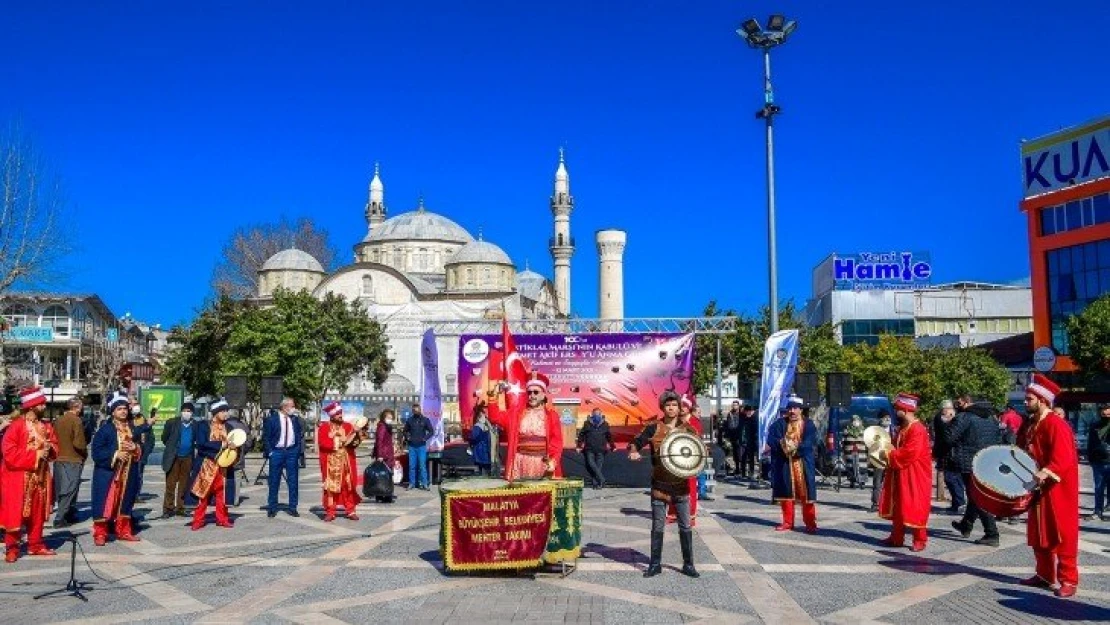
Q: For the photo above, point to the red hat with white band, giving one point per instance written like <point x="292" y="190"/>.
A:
<point x="1043" y="388"/>
<point x="31" y="396"/>
<point x="333" y="409"/>
<point x="537" y="379"/>
<point x="907" y="402"/>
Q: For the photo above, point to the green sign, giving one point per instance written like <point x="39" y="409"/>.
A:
<point x="167" y="399"/>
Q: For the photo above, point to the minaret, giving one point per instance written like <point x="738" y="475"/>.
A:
<point x="562" y="245"/>
<point x="610" y="251"/>
<point x="375" y="205"/>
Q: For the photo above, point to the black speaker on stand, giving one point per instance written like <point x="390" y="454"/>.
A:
<point x="807" y="387"/>
<point x="273" y="387"/>
<point x="235" y="390"/>
<point x="838" y="388"/>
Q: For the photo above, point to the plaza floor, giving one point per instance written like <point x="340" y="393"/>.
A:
<point x="386" y="568"/>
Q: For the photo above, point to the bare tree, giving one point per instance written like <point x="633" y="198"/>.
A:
<point x="237" y="274"/>
<point x="31" y="217"/>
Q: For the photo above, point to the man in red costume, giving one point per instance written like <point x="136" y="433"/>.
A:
<point x="1053" y="525"/>
<point x="26" y="487"/>
<point x="906" y="497"/>
<point x="337" y="441"/>
<point x="209" y="478"/>
<point x="533" y="433"/>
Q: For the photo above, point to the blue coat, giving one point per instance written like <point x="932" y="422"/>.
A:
<point x="479" y="445"/>
<point x="782" y="483"/>
<point x="105" y="443"/>
<point x="271" y="433"/>
<point x="204" y="448"/>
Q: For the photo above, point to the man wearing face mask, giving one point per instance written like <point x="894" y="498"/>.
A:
<point x="595" y="440"/>
<point x="177" y="460"/>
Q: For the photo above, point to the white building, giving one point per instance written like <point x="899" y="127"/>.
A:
<point x="421" y="266"/>
<point x="867" y="295"/>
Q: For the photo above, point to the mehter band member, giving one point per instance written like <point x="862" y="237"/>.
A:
<point x="337" y="441"/>
<point x="209" y="478"/>
<point x="115" y="473"/>
<point x="907" y="485"/>
<point x="665" y="487"/>
<point x="26" y="487"/>
<point x="688" y="417"/>
<point x="533" y="433"/>
<point x="1053" y="525"/>
<point x="793" y="443"/>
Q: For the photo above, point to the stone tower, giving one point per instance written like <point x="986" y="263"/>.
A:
<point x="610" y="251"/>
<point x="375" y="204"/>
<point x="562" y="245"/>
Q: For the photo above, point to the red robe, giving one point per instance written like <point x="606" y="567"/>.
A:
<point x="509" y="421"/>
<point x="907" y="495"/>
<point x="20" y="468"/>
<point x="345" y="481"/>
<point x="1053" y="523"/>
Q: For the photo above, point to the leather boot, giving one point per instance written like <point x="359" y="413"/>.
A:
<point x="686" y="539"/>
<point x="100" y="533"/>
<point x="655" y="567"/>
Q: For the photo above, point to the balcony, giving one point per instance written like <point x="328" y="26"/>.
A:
<point x="566" y="242"/>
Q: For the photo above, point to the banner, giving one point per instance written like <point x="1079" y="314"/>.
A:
<point x="431" y="400"/>
<point x="497" y="528"/>
<point x="621" y="374"/>
<point x="780" y="360"/>
<point x="167" y="399"/>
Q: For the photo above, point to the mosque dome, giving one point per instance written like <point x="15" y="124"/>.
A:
<point x="419" y="225"/>
<point x="482" y="252"/>
<point x="292" y="260"/>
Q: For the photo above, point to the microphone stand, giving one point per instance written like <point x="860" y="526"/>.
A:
<point x="73" y="588"/>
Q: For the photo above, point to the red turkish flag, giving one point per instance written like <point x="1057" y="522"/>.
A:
<point x="510" y="367"/>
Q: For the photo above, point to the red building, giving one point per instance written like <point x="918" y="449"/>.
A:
<point x="1066" y="200"/>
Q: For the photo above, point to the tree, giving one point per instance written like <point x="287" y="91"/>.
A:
<point x="32" y="215"/>
<point x="1089" y="338"/>
<point x="818" y="350"/>
<point x="236" y="276"/>
<point x="195" y="351"/>
<point x="705" y="353"/>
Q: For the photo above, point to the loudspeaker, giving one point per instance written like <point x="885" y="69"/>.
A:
<point x="749" y="391"/>
<point x="838" y="388"/>
<point x="272" y="391"/>
<point x="806" y="387"/>
<point x="235" y="390"/>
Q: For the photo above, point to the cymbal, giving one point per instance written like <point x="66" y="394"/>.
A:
<point x="876" y="437"/>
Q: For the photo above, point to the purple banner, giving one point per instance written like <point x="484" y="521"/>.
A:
<point x="431" y="400"/>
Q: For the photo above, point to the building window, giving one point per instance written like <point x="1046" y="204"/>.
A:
<point x="56" y="317"/>
<point x="869" y="330"/>
<point x="367" y="286"/>
<point x="1074" y="215"/>
<point x="469" y="276"/>
<point x="1077" y="276"/>
<point x="18" y="315"/>
<point x="487" y="278"/>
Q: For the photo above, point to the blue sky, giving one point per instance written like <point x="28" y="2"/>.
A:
<point x="175" y="123"/>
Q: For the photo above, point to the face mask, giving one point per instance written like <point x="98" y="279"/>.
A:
<point x="136" y="410"/>
<point x="595" y="418"/>
<point x="186" y="416"/>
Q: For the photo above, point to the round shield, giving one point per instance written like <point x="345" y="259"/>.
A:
<point x="236" y="438"/>
<point x="682" y="453"/>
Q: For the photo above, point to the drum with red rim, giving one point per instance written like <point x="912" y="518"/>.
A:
<point x="1002" y="481"/>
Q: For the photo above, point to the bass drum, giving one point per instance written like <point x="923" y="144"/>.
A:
<point x="1002" y="480"/>
<point x="377" y="482"/>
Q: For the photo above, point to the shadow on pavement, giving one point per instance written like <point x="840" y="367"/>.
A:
<point x="1045" y="605"/>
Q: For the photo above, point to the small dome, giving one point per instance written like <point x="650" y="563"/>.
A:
<point x="530" y="283"/>
<point x="292" y="260"/>
<point x="480" y="252"/>
<point x="419" y="225"/>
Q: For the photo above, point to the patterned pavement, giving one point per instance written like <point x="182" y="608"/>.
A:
<point x="385" y="568"/>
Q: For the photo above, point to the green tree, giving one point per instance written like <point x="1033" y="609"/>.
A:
<point x="195" y="351"/>
<point x="1089" y="338"/>
<point x="950" y="372"/>
<point x="705" y="353"/>
<point x="818" y="350"/>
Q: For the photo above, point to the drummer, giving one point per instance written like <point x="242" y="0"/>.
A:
<point x="665" y="487"/>
<point x="906" y="497"/>
<point x="337" y="441"/>
<point x="1053" y="523"/>
<point x="209" y="478"/>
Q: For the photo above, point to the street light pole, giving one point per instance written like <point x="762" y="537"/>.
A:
<point x="778" y="29"/>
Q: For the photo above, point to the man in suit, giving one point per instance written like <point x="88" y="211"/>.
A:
<point x="282" y="443"/>
<point x="177" y="460"/>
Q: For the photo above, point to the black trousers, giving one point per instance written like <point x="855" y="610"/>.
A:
<point x="747" y="460"/>
<point x="595" y="461"/>
<point x="973" y="512"/>
<point x="737" y="454"/>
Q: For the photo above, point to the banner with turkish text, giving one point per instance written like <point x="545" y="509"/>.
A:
<point x="496" y="529"/>
<point x="780" y="360"/>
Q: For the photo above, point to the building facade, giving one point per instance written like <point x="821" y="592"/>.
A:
<point x="868" y="295"/>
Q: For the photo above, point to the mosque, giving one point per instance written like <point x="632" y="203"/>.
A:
<point x="421" y="266"/>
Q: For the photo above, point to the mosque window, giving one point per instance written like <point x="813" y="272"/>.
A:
<point x="367" y="285"/>
<point x="469" y="276"/>
<point x="487" y="278"/>
<point x="422" y="259"/>
<point x="398" y="258"/>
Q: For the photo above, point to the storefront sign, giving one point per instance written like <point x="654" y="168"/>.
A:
<point x="1067" y="158"/>
<point x="882" y="271"/>
<point x="29" y="334"/>
<point x="497" y="528"/>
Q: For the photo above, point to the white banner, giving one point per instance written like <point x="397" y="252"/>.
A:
<point x="780" y="360"/>
<point x="431" y="400"/>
